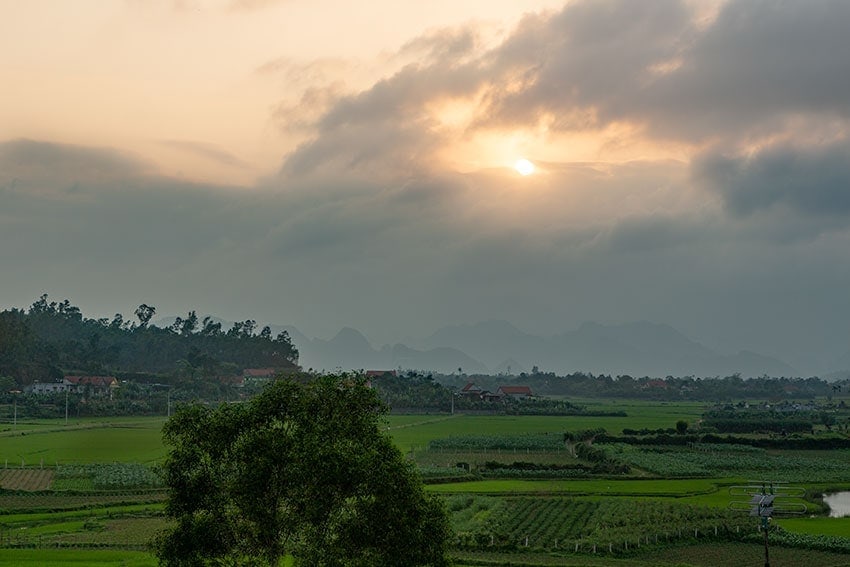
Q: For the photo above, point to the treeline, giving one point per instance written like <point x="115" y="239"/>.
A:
<point x="670" y="388"/>
<point x="51" y="339"/>
<point x="421" y="392"/>
<point x="793" y="442"/>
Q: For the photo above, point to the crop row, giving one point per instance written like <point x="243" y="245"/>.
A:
<point x="536" y="473"/>
<point x="429" y="472"/>
<point x="835" y="544"/>
<point x="25" y="479"/>
<point x="52" y="501"/>
<point x="107" y="476"/>
<point x="527" y="442"/>
<point x="562" y="522"/>
<point x="695" y="462"/>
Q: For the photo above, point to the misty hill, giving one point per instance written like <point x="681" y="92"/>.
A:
<point x="639" y="349"/>
<point x="350" y="350"/>
<point x="497" y="347"/>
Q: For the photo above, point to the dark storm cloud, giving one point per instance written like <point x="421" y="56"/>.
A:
<point x="652" y="64"/>
<point x="92" y="205"/>
<point x="591" y="55"/>
<point x="385" y="128"/>
<point x="760" y="60"/>
<point x="358" y="228"/>
<point x="750" y="72"/>
<point x="808" y="181"/>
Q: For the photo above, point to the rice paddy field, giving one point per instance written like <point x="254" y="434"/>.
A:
<point x="84" y="493"/>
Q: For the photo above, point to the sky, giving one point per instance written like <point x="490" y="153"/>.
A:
<point x="327" y="164"/>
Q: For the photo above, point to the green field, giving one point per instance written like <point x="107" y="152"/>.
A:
<point x="414" y="432"/>
<point x="83" y="558"/>
<point x="604" y="487"/>
<point x="658" y="520"/>
<point x="135" y="439"/>
<point x="92" y="441"/>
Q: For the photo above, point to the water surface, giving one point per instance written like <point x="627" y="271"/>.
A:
<point x="839" y="504"/>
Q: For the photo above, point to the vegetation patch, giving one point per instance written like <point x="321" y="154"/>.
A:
<point x="25" y="479"/>
<point x="107" y="476"/>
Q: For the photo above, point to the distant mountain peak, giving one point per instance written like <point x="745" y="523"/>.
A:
<point x="349" y="335"/>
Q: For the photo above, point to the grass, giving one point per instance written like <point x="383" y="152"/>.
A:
<point x="82" y="557"/>
<point x="135" y="439"/>
<point x="139" y="439"/>
<point x="602" y="487"/>
<point x="818" y="525"/>
<point x="100" y="442"/>
<point x="729" y="554"/>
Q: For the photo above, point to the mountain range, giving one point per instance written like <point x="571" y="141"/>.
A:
<point x="498" y="347"/>
<point x="639" y="348"/>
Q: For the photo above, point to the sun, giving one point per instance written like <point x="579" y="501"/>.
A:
<point x="524" y="167"/>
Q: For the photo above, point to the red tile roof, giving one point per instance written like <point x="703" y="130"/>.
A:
<point x="515" y="390"/>
<point x="259" y="372"/>
<point x="101" y="381"/>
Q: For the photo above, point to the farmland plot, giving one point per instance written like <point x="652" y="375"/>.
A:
<point x="25" y="479"/>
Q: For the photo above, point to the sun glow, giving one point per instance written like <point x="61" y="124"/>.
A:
<point x="524" y="167"/>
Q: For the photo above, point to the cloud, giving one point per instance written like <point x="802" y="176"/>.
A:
<point x="804" y="184"/>
<point x="659" y="66"/>
<point x="387" y="129"/>
<point x="207" y="151"/>
<point x="31" y="159"/>
<point x="758" y="62"/>
<point x="366" y="224"/>
<point x="748" y="72"/>
<point x="590" y="55"/>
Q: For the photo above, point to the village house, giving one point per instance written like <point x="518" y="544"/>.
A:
<point x="47" y="387"/>
<point x="515" y="392"/>
<point x="101" y="386"/>
<point x="98" y="386"/>
<point x="471" y="391"/>
<point x="258" y="375"/>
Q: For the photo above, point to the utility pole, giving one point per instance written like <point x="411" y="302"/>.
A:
<point x="15" y="403"/>
<point x="762" y="504"/>
<point x="66" y="406"/>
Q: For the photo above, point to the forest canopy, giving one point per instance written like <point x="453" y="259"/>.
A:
<point x="303" y="469"/>
<point x="51" y="339"/>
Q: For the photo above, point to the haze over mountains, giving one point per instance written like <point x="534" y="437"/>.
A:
<point x="498" y="347"/>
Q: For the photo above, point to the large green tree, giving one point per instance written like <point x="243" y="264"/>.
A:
<point x="303" y="469"/>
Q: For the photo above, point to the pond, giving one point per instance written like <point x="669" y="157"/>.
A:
<point x="839" y="504"/>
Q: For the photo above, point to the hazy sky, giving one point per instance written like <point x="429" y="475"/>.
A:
<point x="330" y="163"/>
